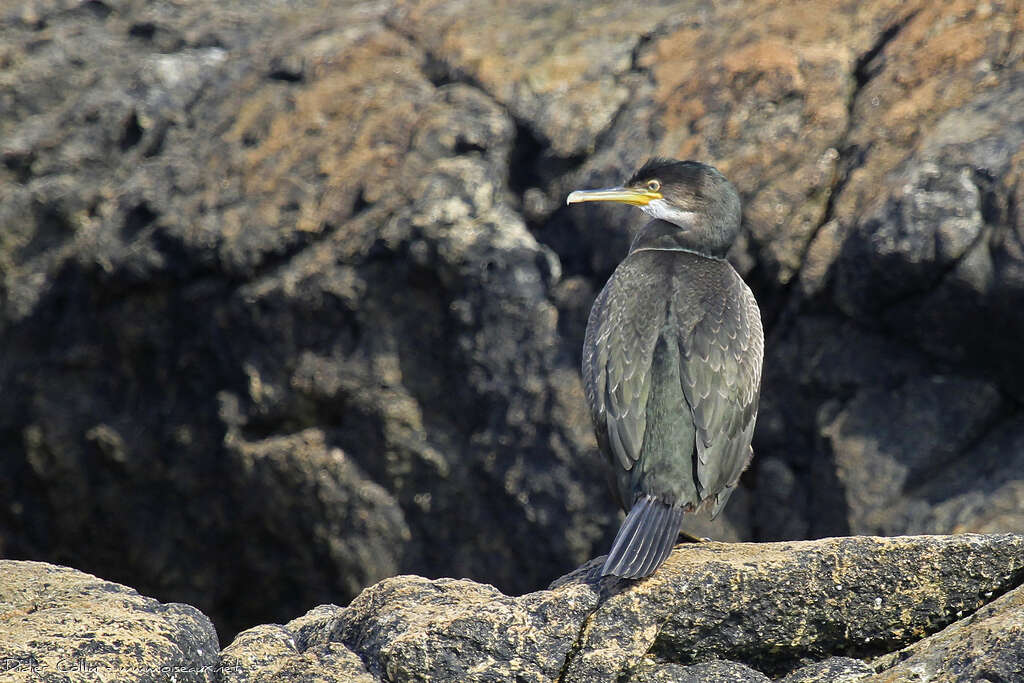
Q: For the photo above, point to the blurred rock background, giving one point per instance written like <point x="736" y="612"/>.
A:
<point x="289" y="300"/>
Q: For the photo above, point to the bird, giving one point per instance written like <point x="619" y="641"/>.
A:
<point x="672" y="359"/>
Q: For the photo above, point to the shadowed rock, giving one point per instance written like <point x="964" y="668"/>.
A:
<point x="985" y="646"/>
<point x="289" y="313"/>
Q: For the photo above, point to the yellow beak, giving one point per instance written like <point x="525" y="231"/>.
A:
<point x="624" y="195"/>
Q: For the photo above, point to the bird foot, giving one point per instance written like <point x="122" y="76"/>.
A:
<point x="690" y="538"/>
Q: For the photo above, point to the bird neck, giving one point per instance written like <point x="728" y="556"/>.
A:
<point x="664" y="236"/>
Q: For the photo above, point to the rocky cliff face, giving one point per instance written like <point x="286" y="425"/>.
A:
<point x="852" y="609"/>
<point x="289" y="304"/>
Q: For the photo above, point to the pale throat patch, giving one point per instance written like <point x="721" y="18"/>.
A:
<point x="662" y="210"/>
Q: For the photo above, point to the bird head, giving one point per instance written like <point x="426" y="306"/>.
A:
<point x="694" y="197"/>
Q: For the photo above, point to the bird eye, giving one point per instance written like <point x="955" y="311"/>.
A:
<point x="653" y="185"/>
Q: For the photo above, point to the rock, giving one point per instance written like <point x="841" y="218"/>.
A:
<point x="562" y="69"/>
<point x="713" y="612"/>
<point x="771" y="112"/>
<point x="851" y="609"/>
<point x="993" y="497"/>
<point x="754" y="103"/>
<point x="915" y="431"/>
<point x="229" y="304"/>
<point x="924" y="259"/>
<point x="983" y="646"/>
<point x="707" y="672"/>
<point x="978" y="280"/>
<point x="831" y="670"/>
<point x="801" y="599"/>
<point x="300" y="488"/>
<point x="60" y="624"/>
<point x="410" y="628"/>
<point x="290" y="300"/>
<point x="284" y="653"/>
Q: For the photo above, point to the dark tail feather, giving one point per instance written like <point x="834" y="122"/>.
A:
<point x="645" y="539"/>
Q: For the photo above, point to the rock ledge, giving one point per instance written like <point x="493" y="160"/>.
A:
<point x="928" y="608"/>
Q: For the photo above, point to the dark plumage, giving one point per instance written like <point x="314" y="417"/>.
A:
<point x="672" y="359"/>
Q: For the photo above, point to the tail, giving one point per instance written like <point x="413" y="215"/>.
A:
<point x="645" y="539"/>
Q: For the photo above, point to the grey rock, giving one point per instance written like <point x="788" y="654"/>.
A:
<point x="915" y="275"/>
<point x="940" y="608"/>
<point x="357" y="533"/>
<point x="938" y="258"/>
<point x="915" y="431"/>
<point x="908" y="243"/>
<point x="568" y="96"/>
<point x="778" y="488"/>
<point x="982" y="492"/>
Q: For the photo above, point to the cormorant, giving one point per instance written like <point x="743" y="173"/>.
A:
<point x="672" y="359"/>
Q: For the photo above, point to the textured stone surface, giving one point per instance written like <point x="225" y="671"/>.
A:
<point x="299" y="487"/>
<point x="563" y="69"/>
<point x="708" y="672"/>
<point x="294" y="247"/>
<point x="831" y="670"/>
<point x="274" y="652"/>
<point x="886" y="442"/>
<point x="289" y="300"/>
<point x="929" y="608"/>
<point x="62" y="625"/>
<point x="769" y="605"/>
<point x="410" y="628"/>
<point x="768" y="103"/>
<point x="985" y="646"/>
<point x="713" y="612"/>
<point x="937" y="256"/>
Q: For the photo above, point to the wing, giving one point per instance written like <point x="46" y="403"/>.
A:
<point x="721" y="377"/>
<point x="621" y="334"/>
